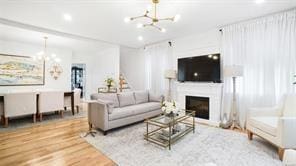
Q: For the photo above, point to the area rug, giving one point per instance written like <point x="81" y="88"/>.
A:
<point x="17" y="123"/>
<point x="208" y="146"/>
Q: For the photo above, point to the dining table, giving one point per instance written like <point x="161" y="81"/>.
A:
<point x="66" y="94"/>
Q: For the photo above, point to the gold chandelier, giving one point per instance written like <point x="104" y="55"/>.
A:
<point x="44" y="56"/>
<point x="154" y="19"/>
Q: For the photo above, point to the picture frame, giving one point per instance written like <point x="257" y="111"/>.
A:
<point x="16" y="70"/>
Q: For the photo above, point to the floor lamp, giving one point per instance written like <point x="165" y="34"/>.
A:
<point x="170" y="74"/>
<point x="234" y="72"/>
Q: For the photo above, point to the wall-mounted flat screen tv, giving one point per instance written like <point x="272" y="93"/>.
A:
<point x="204" y="68"/>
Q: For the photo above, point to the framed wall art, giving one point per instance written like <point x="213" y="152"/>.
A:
<point x="21" y="70"/>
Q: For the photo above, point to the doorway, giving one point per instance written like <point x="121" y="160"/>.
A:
<point x="78" y="77"/>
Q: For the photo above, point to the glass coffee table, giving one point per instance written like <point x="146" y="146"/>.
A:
<point x="165" y="130"/>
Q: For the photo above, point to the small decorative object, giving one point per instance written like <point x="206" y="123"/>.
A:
<point x="170" y="108"/>
<point x="55" y="70"/>
<point x="110" y="82"/>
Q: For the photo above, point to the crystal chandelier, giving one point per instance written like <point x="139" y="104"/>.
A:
<point x="44" y="56"/>
<point x="154" y="19"/>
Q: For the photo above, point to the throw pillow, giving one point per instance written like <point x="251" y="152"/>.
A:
<point x="126" y="99"/>
<point x="141" y="97"/>
<point x="109" y="97"/>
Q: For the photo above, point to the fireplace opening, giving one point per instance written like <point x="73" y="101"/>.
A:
<point x="200" y="105"/>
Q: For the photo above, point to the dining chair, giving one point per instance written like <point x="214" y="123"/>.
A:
<point x="50" y="101"/>
<point x="77" y="100"/>
<point x="19" y="104"/>
<point x="1" y="112"/>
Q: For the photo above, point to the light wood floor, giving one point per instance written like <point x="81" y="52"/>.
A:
<point x="57" y="143"/>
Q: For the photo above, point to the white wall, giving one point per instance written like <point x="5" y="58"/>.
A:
<point x="132" y="66"/>
<point x="99" y="66"/>
<point x="132" y="61"/>
<point x="62" y="83"/>
<point x="200" y="44"/>
<point x="205" y="43"/>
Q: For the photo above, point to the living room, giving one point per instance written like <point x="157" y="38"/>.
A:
<point x="148" y="82"/>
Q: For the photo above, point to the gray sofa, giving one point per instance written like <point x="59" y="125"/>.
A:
<point x="109" y="111"/>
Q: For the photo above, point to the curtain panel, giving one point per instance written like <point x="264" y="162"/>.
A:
<point x="157" y="60"/>
<point x="266" y="48"/>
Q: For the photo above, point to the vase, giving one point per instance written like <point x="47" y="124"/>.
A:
<point x="109" y="87"/>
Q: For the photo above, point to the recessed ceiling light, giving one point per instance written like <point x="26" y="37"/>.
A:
<point x="163" y="30"/>
<point x="140" y="25"/>
<point x="259" y="1"/>
<point x="140" y="38"/>
<point x="127" y="19"/>
<point x="67" y="17"/>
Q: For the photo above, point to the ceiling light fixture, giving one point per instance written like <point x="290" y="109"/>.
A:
<point x="44" y="56"/>
<point x="140" y="38"/>
<point x="67" y="17"/>
<point x="154" y="19"/>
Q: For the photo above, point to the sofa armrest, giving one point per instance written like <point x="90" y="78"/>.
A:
<point x="287" y="128"/>
<point x="266" y="111"/>
<point x="110" y="104"/>
<point x="98" y="115"/>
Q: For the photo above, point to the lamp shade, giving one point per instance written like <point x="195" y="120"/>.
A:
<point x="170" y="74"/>
<point x="233" y="71"/>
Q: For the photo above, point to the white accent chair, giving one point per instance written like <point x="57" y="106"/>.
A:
<point x="77" y="100"/>
<point x="289" y="157"/>
<point x="276" y="125"/>
<point x="50" y="101"/>
<point x="19" y="104"/>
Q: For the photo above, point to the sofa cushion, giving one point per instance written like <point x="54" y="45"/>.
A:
<point x="133" y="110"/>
<point x="265" y="124"/>
<point x="121" y="112"/>
<point x="155" y="98"/>
<point x="126" y="99"/>
<point x="141" y="97"/>
<point x="111" y="97"/>
<point x="146" y="107"/>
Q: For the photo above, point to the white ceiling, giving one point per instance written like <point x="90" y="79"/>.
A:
<point x="103" y="19"/>
<point x="10" y="33"/>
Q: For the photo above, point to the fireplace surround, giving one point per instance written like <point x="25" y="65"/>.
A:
<point x="213" y="91"/>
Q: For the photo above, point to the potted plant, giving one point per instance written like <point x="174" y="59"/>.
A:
<point x="110" y="82"/>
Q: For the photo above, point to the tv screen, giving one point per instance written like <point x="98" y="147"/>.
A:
<point x="200" y="68"/>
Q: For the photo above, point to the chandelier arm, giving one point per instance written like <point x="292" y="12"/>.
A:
<point x="148" y="25"/>
<point x="157" y="27"/>
<point x="155" y="10"/>
<point x="152" y="25"/>
<point x="134" y="18"/>
<point x="166" y="19"/>
<point x="149" y="17"/>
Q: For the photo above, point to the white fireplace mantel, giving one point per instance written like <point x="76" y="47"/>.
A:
<point x="211" y="90"/>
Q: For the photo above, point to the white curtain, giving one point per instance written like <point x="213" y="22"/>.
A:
<point x="266" y="48"/>
<point x="157" y="60"/>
